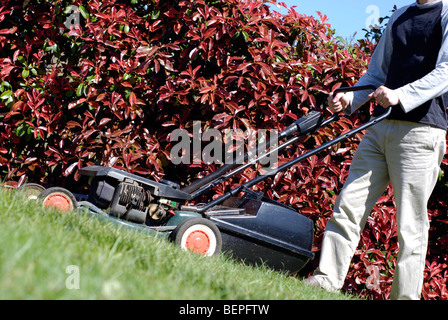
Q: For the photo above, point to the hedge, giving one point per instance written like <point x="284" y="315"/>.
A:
<point x="90" y="82"/>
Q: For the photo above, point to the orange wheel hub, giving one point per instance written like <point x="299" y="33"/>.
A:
<point x="58" y="201"/>
<point x="198" y="241"/>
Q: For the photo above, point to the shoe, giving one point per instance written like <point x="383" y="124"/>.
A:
<point x="312" y="281"/>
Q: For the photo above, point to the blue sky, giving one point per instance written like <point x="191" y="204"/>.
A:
<point x="347" y="16"/>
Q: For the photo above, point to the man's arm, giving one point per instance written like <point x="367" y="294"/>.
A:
<point x="378" y="67"/>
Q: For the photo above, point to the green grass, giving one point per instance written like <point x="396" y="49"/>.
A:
<point x="38" y="246"/>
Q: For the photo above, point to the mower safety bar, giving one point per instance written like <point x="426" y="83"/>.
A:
<point x="357" y="88"/>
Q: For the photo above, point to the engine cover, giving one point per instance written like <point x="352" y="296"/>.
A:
<point x="129" y="202"/>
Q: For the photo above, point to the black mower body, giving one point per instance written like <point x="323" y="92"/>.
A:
<point x="263" y="231"/>
<point x="257" y="231"/>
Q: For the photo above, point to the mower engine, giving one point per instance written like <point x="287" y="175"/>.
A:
<point x="135" y="203"/>
<point x="129" y="201"/>
<point x="132" y="197"/>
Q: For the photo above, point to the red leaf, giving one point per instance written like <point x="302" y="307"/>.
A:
<point x="8" y="31"/>
<point x="104" y="121"/>
<point x="205" y="90"/>
<point x="70" y="169"/>
<point x="229" y="80"/>
<point x="77" y="102"/>
<point x="29" y="160"/>
<point x="6" y="71"/>
<point x="132" y="99"/>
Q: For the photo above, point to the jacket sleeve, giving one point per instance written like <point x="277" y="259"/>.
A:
<point x="378" y="66"/>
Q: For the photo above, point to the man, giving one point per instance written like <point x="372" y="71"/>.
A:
<point x="410" y="69"/>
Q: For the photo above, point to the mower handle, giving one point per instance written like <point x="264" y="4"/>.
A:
<point x="355" y="88"/>
<point x="309" y="123"/>
<point x="314" y="119"/>
<point x="245" y="186"/>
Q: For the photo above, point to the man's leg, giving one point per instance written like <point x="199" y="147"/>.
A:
<point x="368" y="177"/>
<point x="414" y="155"/>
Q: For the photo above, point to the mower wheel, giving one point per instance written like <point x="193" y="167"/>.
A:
<point x="58" y="198"/>
<point x="198" y="235"/>
<point x="31" y="190"/>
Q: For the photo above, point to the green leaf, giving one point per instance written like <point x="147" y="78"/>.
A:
<point x="155" y="14"/>
<point x="6" y="95"/>
<point x="20" y="130"/>
<point x="25" y="73"/>
<point x="126" y="28"/>
<point x="79" y="90"/>
<point x="84" y="12"/>
<point x="22" y="60"/>
<point x="5" y="85"/>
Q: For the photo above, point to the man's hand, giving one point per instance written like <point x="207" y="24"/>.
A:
<point x="338" y="102"/>
<point x="385" y="97"/>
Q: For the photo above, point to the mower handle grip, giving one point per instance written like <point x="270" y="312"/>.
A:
<point x="355" y="88"/>
<point x="371" y="122"/>
<point x="352" y="89"/>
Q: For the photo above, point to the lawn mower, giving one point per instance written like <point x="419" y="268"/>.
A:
<point x="250" y="227"/>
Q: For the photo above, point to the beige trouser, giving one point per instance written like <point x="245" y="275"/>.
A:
<point x="408" y="155"/>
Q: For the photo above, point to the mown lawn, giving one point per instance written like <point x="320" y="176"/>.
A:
<point x="45" y="254"/>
